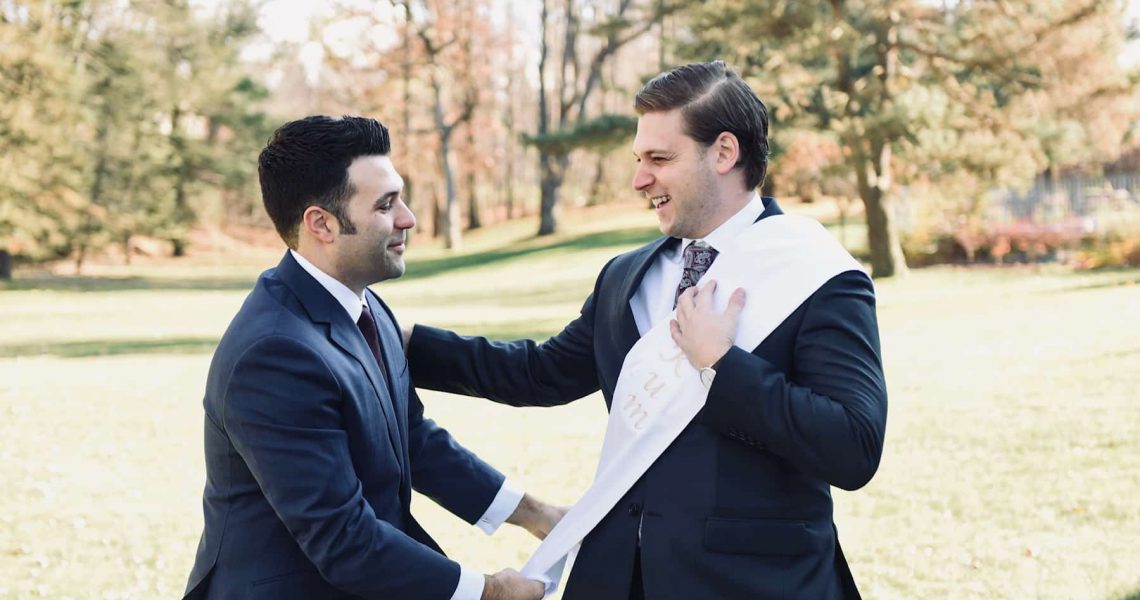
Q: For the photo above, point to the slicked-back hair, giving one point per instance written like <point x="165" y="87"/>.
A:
<point x="713" y="99"/>
<point x="305" y="163"/>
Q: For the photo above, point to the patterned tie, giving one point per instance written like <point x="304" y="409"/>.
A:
<point x="698" y="257"/>
<point x="367" y="327"/>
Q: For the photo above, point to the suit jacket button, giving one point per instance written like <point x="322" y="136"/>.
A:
<point x="634" y="509"/>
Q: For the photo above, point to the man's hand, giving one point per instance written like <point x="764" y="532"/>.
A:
<point x="536" y="516"/>
<point x="702" y="333"/>
<point x="509" y="585"/>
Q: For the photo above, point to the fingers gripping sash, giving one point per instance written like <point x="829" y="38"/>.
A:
<point x="780" y="261"/>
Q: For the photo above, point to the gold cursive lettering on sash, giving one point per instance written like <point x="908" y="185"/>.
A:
<point x="653" y="386"/>
<point x="635" y="412"/>
<point x="677" y="359"/>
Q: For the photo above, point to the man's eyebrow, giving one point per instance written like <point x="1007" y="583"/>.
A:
<point x="387" y="197"/>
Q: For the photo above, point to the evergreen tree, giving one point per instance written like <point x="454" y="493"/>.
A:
<point x="937" y="90"/>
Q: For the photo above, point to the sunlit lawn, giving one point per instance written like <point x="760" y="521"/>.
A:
<point x="1012" y="464"/>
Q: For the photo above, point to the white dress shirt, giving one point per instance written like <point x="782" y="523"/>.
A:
<point x="506" y="501"/>
<point x="653" y="300"/>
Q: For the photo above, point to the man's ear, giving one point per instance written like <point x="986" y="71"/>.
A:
<point x="319" y="224"/>
<point x="726" y="149"/>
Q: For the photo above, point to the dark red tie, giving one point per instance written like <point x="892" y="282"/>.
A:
<point x="698" y="257"/>
<point x="367" y="327"/>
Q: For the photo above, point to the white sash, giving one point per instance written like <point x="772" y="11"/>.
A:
<point x="780" y="261"/>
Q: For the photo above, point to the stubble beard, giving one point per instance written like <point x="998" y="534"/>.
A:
<point x="700" y="207"/>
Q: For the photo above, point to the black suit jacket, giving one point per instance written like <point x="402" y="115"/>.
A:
<point x="739" y="506"/>
<point x="312" y="454"/>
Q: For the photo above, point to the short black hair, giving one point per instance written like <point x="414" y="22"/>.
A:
<point x="713" y="99"/>
<point x="305" y="163"/>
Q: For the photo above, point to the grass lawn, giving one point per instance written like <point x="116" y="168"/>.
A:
<point x="1011" y="469"/>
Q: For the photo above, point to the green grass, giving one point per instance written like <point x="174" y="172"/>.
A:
<point x="1011" y="469"/>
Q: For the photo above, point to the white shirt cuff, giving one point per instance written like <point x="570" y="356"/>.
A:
<point x="470" y="585"/>
<point x="503" y="506"/>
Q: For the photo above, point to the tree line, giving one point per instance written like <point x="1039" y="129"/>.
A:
<point x="120" y="120"/>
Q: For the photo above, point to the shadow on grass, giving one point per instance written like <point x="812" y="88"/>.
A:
<point x="545" y="296"/>
<point x="416" y="268"/>
<point x="89" y="348"/>
<point x="78" y="283"/>
<point x="1111" y="278"/>
<point x="512" y="330"/>
<point x="603" y="239"/>
<point x="1133" y="596"/>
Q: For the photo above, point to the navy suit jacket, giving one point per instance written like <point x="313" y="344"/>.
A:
<point x="739" y="506"/>
<point x="312" y="454"/>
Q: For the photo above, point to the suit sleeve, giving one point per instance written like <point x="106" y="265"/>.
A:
<point x="281" y="412"/>
<point x="828" y="416"/>
<point x="442" y="469"/>
<point x="518" y="373"/>
<point x="452" y="476"/>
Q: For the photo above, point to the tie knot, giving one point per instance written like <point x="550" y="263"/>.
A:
<point x="698" y="256"/>
<point x="366" y="320"/>
<point x="367" y="327"/>
<point x="697" y="259"/>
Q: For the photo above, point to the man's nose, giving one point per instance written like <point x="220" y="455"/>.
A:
<point x="641" y="179"/>
<point x="405" y="218"/>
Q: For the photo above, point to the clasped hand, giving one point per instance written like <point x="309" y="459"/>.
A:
<point x="703" y="333"/>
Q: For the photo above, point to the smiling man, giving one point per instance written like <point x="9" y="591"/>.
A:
<point x="784" y="388"/>
<point x="314" y="436"/>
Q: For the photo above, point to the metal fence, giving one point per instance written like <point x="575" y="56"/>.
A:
<point x="1069" y="199"/>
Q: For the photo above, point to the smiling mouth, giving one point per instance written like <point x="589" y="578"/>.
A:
<point x="659" y="201"/>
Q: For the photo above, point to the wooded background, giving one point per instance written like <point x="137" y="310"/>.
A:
<point x="127" y="123"/>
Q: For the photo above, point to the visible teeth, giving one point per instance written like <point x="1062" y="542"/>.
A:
<point x="659" y="200"/>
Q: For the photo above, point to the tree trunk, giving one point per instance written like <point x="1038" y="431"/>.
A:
<point x="450" y="213"/>
<point x="406" y="112"/>
<point x="473" y="220"/>
<point x="510" y="177"/>
<point x="887" y="258"/>
<point x="553" y="170"/>
<point x="80" y="257"/>
<point x="450" y="226"/>
<point x="179" y="247"/>
<point x="436" y="214"/>
<point x="182" y="177"/>
<point x="5" y="266"/>
<point x="594" y="197"/>
<point x="874" y="180"/>
<point x="547" y="183"/>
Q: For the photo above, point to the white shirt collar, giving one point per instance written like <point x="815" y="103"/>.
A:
<point x="735" y="225"/>
<point x="352" y="303"/>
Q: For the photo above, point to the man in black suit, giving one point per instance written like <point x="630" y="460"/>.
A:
<point x="739" y="504"/>
<point x="314" y="436"/>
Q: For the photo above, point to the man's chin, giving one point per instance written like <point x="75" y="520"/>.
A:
<point x="392" y="270"/>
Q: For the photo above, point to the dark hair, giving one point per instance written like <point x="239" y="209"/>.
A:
<point x="713" y="99"/>
<point x="305" y="163"/>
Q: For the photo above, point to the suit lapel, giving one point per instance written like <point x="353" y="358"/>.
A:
<point x="770" y="208"/>
<point x="639" y="263"/>
<point x="343" y="333"/>
<point x="395" y="363"/>
<point x="390" y="340"/>
<point x="350" y="340"/>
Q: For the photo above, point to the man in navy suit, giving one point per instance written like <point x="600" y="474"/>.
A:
<point x="314" y="436"/>
<point x="739" y="505"/>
